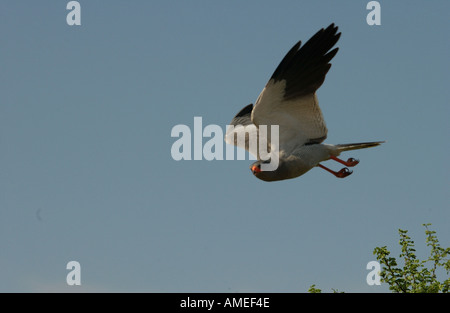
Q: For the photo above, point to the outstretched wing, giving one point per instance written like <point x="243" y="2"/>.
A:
<point x="289" y="98"/>
<point x="241" y="129"/>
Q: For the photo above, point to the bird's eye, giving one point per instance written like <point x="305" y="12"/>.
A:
<point x="256" y="168"/>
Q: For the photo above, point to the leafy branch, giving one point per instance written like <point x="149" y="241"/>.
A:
<point x="414" y="276"/>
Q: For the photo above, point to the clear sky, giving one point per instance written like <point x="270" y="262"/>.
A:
<point x="86" y="114"/>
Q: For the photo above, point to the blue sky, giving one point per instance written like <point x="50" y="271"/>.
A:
<point x="86" y="114"/>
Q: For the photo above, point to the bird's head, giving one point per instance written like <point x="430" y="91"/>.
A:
<point x="277" y="174"/>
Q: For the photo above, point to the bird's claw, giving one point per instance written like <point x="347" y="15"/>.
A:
<point x="352" y="162"/>
<point x="343" y="173"/>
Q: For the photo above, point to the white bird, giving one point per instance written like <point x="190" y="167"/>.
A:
<point x="289" y="100"/>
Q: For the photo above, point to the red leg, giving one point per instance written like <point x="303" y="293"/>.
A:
<point x="341" y="174"/>
<point x="350" y="162"/>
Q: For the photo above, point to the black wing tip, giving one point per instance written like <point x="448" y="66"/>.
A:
<point x="330" y="33"/>
<point x="332" y="28"/>
<point x="330" y="55"/>
<point x="325" y="38"/>
<point x="287" y="58"/>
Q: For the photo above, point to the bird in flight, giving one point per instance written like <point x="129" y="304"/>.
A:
<point x="289" y="101"/>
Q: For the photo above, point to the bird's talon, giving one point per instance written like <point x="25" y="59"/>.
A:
<point x="343" y="173"/>
<point x="352" y="162"/>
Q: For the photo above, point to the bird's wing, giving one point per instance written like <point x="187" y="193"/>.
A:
<point x="241" y="130"/>
<point x="289" y="98"/>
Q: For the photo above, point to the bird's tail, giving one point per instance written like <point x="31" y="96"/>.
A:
<point x="355" y="146"/>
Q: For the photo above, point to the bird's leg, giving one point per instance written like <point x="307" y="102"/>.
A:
<point x="341" y="174"/>
<point x="350" y="162"/>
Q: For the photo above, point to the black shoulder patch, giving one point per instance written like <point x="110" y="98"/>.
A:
<point x="244" y="117"/>
<point x="315" y="141"/>
<point x="246" y="110"/>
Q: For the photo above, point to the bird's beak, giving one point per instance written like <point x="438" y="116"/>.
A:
<point x="255" y="169"/>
